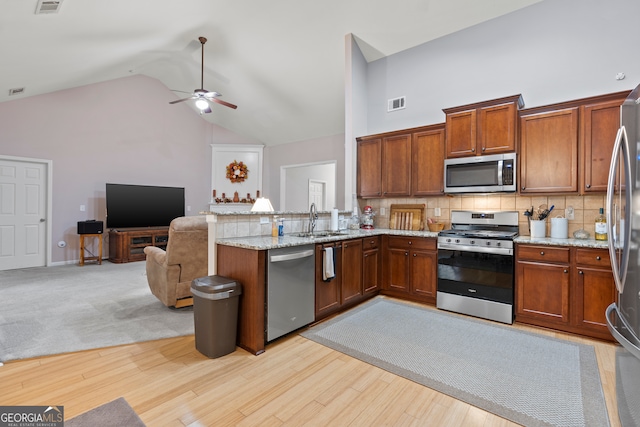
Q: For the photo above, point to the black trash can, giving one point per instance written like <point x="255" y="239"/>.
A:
<point x="215" y="313"/>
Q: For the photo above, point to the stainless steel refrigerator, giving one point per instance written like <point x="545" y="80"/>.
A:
<point x="623" y="223"/>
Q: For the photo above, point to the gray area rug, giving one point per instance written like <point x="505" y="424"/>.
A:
<point x="51" y="310"/>
<point x="113" y="414"/>
<point x="527" y="378"/>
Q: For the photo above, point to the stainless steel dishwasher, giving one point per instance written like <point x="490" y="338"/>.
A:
<point x="290" y="289"/>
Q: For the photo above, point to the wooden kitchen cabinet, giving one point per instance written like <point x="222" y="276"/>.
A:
<point x="396" y="165"/>
<point x="564" y="288"/>
<point x="566" y="147"/>
<point x="351" y="275"/>
<point x="371" y="264"/>
<point x="249" y="268"/>
<point x="542" y="285"/>
<point x="410" y="268"/>
<point x="384" y="166"/>
<point x="369" y="167"/>
<point x="488" y="127"/>
<point x="594" y="290"/>
<point x="427" y="154"/>
<point x="328" y="294"/>
<point x="548" y="150"/>
<point x="352" y="290"/>
<point x="402" y="163"/>
<point x="600" y="121"/>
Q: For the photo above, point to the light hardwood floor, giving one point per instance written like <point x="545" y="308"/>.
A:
<point x="295" y="382"/>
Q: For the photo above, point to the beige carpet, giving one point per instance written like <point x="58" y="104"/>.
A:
<point x="51" y="310"/>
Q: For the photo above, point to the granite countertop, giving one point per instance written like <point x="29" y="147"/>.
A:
<point x="268" y="242"/>
<point x="548" y="241"/>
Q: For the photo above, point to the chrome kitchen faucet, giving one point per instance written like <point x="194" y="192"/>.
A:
<point x="313" y="216"/>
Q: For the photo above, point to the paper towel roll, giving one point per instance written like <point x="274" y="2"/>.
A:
<point x="334" y="220"/>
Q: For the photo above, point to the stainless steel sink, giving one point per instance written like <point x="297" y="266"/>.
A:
<point x="319" y="234"/>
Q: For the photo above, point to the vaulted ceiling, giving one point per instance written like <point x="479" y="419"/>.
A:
<point x="281" y="61"/>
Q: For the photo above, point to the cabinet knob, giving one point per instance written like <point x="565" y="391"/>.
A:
<point x="406" y="254"/>
<point x="566" y="271"/>
<point x="409" y="241"/>
<point x="580" y="272"/>
<point x="588" y="185"/>
<point x="373" y="242"/>
<point x="598" y="258"/>
<point x="483" y="148"/>
<point x="473" y="150"/>
<point x="541" y="252"/>
<point x="522" y="188"/>
<point x="415" y="255"/>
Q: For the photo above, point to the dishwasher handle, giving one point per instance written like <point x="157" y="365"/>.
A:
<point x="291" y="256"/>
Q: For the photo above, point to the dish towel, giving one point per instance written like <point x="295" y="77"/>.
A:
<point x="328" y="260"/>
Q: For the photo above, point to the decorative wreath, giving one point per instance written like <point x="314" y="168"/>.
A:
<point x="237" y="172"/>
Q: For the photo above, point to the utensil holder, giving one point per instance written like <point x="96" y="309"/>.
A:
<point x="538" y="228"/>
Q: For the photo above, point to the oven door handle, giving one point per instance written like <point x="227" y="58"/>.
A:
<point x="481" y="250"/>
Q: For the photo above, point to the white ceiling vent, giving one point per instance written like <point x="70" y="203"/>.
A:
<point x="396" y="103"/>
<point x="16" y="91"/>
<point x="48" y="6"/>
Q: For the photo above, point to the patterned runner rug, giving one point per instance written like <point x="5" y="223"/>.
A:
<point x="527" y="378"/>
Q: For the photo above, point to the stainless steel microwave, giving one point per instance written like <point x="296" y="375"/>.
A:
<point x="480" y="174"/>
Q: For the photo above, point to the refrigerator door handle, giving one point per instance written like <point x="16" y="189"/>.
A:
<point x="621" y="146"/>
<point x="631" y="347"/>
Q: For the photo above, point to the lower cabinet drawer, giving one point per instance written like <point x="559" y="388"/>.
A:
<point x="543" y="253"/>
<point x="412" y="242"/>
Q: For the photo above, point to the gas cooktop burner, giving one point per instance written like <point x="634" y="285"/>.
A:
<point x="488" y="234"/>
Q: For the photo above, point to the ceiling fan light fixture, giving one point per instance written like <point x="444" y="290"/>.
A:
<point x="202" y="104"/>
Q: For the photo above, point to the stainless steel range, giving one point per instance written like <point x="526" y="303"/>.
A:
<point x="475" y="264"/>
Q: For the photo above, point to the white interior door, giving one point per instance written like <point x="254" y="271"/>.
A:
<point x="318" y="193"/>
<point x="23" y="208"/>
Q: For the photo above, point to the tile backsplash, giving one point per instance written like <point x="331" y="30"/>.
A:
<point x="585" y="208"/>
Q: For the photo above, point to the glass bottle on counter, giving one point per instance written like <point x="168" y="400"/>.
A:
<point x="601" y="226"/>
<point x="274" y="226"/>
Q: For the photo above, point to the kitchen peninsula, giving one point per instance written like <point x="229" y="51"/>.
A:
<point x="240" y="245"/>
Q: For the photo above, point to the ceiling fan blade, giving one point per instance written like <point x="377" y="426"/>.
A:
<point x="182" y="100"/>
<point x="225" y="103"/>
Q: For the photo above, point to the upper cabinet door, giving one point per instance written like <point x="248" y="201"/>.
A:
<point x="497" y="129"/>
<point x="369" y="181"/>
<point x="461" y="134"/>
<point x="396" y="166"/>
<point x="549" y="151"/>
<point x="488" y="127"/>
<point x="427" y="168"/>
<point x="600" y="123"/>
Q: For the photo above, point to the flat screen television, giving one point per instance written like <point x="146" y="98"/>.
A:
<point x="143" y="205"/>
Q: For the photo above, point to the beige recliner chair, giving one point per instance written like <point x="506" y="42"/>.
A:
<point x="170" y="272"/>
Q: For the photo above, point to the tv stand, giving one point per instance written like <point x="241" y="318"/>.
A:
<point x="127" y="244"/>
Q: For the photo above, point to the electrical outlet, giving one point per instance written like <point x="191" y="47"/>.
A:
<point x="437" y="212"/>
<point x="83" y="208"/>
<point x="383" y="211"/>
<point x="188" y="208"/>
<point x="569" y="213"/>
<point x="264" y="220"/>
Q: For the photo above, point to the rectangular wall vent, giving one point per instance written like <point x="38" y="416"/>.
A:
<point x="396" y="103"/>
<point x="48" y="6"/>
<point x="16" y="91"/>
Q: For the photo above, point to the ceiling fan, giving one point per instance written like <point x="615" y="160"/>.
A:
<point x="202" y="96"/>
